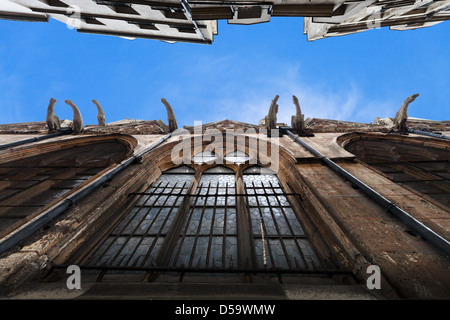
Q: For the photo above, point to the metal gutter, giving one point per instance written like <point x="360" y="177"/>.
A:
<point x="35" y="224"/>
<point x="429" y="134"/>
<point x="417" y="226"/>
<point x="26" y="141"/>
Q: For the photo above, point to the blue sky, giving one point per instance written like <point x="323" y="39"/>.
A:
<point x="355" y="78"/>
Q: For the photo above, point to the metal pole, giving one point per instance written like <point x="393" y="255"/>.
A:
<point x="391" y="207"/>
<point x="185" y="5"/>
<point x="35" y="224"/>
<point x="263" y="243"/>
<point x="430" y="134"/>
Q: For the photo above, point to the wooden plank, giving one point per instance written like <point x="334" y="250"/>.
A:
<point x="303" y="10"/>
<point x="35" y="190"/>
<point x="144" y="36"/>
<point x="4" y="185"/>
<point x="114" y="17"/>
<point x="211" y="13"/>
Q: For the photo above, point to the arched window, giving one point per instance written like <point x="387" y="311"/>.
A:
<point x="138" y="237"/>
<point x="420" y="164"/>
<point x="209" y="237"/>
<point x="29" y="185"/>
<point x="214" y="220"/>
<point x="280" y="241"/>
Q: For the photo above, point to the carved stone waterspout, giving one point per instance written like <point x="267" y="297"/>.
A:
<point x="401" y="116"/>
<point x="77" y="122"/>
<point x="170" y="116"/>
<point x="53" y="122"/>
<point x="298" y="121"/>
<point x="100" y="114"/>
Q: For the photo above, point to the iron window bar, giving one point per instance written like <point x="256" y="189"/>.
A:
<point x="195" y="234"/>
<point x="208" y="235"/>
<point x="216" y="195"/>
<point x="209" y="270"/>
<point x="205" y="260"/>
<point x="291" y="230"/>
<point x="278" y="215"/>
<point x="115" y="236"/>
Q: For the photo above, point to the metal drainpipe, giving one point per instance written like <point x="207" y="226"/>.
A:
<point x="39" y="221"/>
<point x="48" y="136"/>
<point x="185" y="5"/>
<point x="430" y="134"/>
<point x="391" y="207"/>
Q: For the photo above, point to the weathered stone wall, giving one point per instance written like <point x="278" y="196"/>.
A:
<point x="359" y="232"/>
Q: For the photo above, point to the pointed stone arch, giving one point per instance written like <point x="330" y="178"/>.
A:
<point x="43" y="174"/>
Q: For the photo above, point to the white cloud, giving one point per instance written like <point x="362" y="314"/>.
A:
<point x="212" y="87"/>
<point x="247" y="97"/>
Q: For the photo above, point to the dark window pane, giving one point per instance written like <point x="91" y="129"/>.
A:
<point x="137" y="238"/>
<point x="278" y="235"/>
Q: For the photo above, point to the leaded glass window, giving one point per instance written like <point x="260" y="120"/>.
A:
<point x="199" y="222"/>
<point x="280" y="241"/>
<point x="205" y="157"/>
<point x="138" y="237"/>
<point x="237" y="156"/>
<point x="208" y="237"/>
